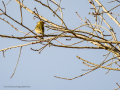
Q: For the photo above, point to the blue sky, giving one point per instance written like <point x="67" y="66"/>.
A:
<point x="38" y="70"/>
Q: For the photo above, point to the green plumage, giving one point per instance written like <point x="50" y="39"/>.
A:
<point x="40" y="28"/>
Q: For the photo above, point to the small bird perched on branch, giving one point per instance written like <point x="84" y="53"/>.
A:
<point x="40" y="28"/>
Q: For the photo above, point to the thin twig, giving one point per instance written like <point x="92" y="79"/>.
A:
<point x="17" y="63"/>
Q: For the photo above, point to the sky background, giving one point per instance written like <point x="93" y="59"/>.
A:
<point x="38" y="70"/>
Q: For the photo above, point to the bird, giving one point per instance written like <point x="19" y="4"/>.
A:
<point x="40" y="28"/>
